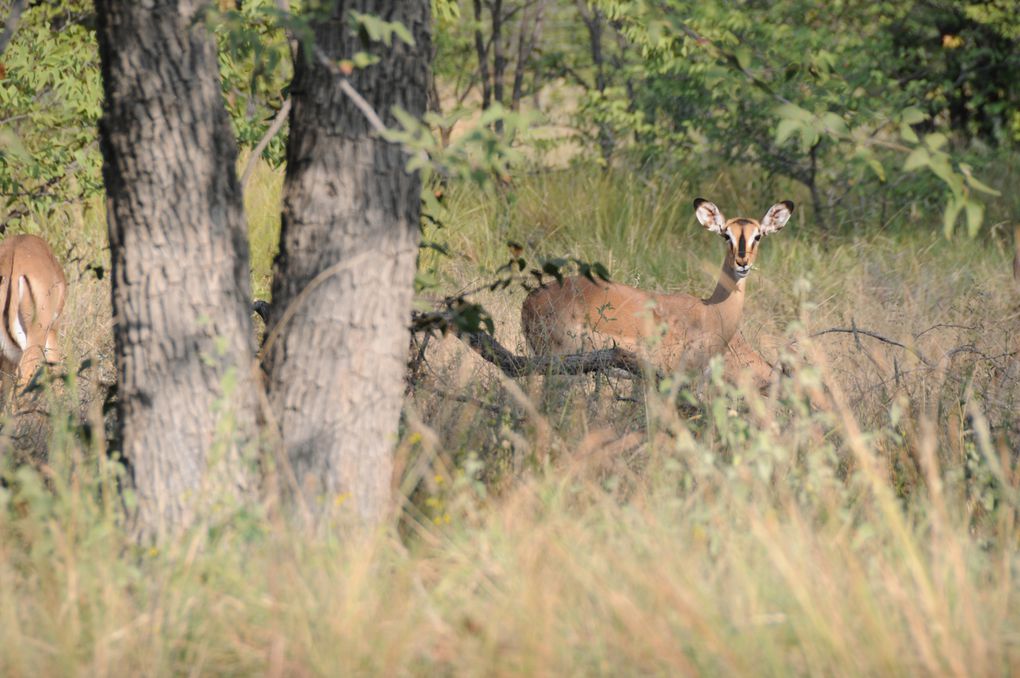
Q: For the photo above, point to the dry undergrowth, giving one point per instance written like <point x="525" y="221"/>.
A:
<point x="590" y="525"/>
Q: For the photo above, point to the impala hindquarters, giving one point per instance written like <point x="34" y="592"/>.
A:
<point x="33" y="290"/>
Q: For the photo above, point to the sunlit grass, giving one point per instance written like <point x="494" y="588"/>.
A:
<point x="588" y="526"/>
<point x="262" y="205"/>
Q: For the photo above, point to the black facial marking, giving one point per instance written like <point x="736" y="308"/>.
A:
<point x="741" y="246"/>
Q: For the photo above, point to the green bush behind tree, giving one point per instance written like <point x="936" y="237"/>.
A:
<point x="903" y="101"/>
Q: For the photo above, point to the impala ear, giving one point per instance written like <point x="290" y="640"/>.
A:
<point x="709" y="215"/>
<point x="776" y="217"/>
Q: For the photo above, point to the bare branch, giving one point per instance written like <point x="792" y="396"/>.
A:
<point x="345" y="86"/>
<point x="274" y="128"/>
<point x="483" y="344"/>
<point x="288" y="312"/>
<point x="578" y="363"/>
<point x="857" y="333"/>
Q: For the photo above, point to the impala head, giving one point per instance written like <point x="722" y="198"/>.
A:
<point x="742" y="235"/>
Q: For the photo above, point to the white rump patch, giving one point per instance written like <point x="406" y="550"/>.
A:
<point x="20" y="336"/>
<point x="8" y="346"/>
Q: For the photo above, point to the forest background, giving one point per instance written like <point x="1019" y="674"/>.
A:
<point x="861" y="518"/>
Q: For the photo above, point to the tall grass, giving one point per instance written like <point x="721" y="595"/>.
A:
<point x="860" y="520"/>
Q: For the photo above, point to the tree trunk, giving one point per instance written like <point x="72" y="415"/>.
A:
<point x="528" y="36"/>
<point x="350" y="223"/>
<point x="181" y="289"/>
<point x="483" y="57"/>
<point x="595" y="21"/>
<point x="498" y="59"/>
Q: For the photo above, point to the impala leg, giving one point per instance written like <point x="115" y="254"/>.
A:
<point x="41" y="349"/>
<point x="31" y="360"/>
<point x="8" y="379"/>
<point x="51" y="350"/>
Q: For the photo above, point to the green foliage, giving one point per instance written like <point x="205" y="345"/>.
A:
<point x="960" y="62"/>
<point x="50" y="103"/>
<point x="831" y="96"/>
<point x="255" y="68"/>
<point x="375" y="29"/>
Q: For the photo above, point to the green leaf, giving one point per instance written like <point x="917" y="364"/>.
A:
<point x="953" y="208"/>
<point x="400" y="30"/>
<point x="935" y="140"/>
<point x="939" y="164"/>
<point x="975" y="215"/>
<point x="877" y="168"/>
<point x="835" y="124"/>
<point x="786" y="129"/>
<point x="10" y="144"/>
<point x="794" y="112"/>
<point x="918" y="158"/>
<point x="975" y="183"/>
<point x="743" y="56"/>
<point x="380" y="30"/>
<point x="364" y="59"/>
<point x="809" y="136"/>
<point x="913" y="115"/>
<point x="908" y="134"/>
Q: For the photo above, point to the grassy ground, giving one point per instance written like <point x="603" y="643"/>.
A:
<point x="588" y="525"/>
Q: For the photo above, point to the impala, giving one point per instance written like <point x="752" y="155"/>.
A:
<point x="32" y="294"/>
<point x="669" y="331"/>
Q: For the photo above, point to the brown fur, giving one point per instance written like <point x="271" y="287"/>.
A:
<point x="35" y="308"/>
<point x="670" y="331"/>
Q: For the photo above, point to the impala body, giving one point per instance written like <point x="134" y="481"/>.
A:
<point x="669" y="331"/>
<point x="32" y="294"/>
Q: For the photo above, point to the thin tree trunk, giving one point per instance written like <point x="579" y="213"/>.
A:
<point x="181" y="289"/>
<point x="525" y="45"/>
<point x="498" y="58"/>
<point x="483" y="57"/>
<point x="595" y="21"/>
<point x="11" y="25"/>
<point x="821" y="210"/>
<point x="351" y="210"/>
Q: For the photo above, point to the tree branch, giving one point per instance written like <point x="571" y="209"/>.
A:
<point x="857" y="333"/>
<point x="486" y="345"/>
<point x="274" y="128"/>
<point x="345" y="86"/>
<point x="578" y="363"/>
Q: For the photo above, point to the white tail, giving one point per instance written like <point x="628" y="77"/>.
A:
<point x="32" y="294"/>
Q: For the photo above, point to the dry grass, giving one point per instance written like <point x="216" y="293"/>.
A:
<point x="589" y="526"/>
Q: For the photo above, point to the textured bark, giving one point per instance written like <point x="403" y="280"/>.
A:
<point x="180" y="263"/>
<point x="350" y="209"/>
<point x="1016" y="254"/>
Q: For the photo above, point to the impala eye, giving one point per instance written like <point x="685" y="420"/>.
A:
<point x="757" y="237"/>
